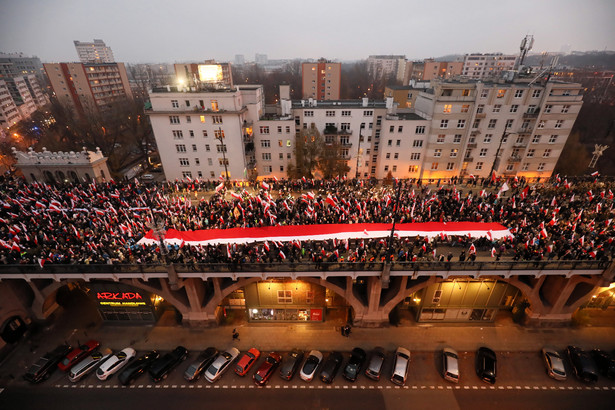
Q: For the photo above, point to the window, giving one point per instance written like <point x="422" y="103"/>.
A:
<point x="518" y="93"/>
<point x="281" y="155"/>
<point x="194" y="148"/>
<point x="476" y="124"/>
<point x="536" y="93"/>
<point x="417" y="143"/>
<point x="484" y="93"/>
<point x="457" y="139"/>
<point x="397" y="143"/>
<point x="565" y="109"/>
<point x="264" y="129"/>
<point x="415" y="155"/>
<point x="547" y="153"/>
<point x="440" y="139"/>
<point x="216" y="119"/>
<point x="479" y="166"/>
<point x="214" y="105"/>
<point x="207" y="147"/>
<point x="437" y="153"/>
<point x="525" y="167"/>
<point x="368" y="113"/>
<point x="497" y="107"/>
<point x="461" y="123"/>
<point x="288" y="155"/>
<point x="330" y="113"/>
<point x="552" y="139"/>
<point x="541" y="166"/>
<point x="281" y="168"/>
<point x="386" y="168"/>
<point x="514" y="108"/>
<point x="447" y="108"/>
<point x="389" y="143"/>
<point x="480" y="108"/>
<point x="501" y="93"/>
<point x="520" y="140"/>
<point x="379" y="120"/>
<point x="178" y="135"/>
<point x="174" y="119"/>
<point x="400" y="128"/>
<point x="279" y="129"/>
<point x="210" y="161"/>
<point x="288" y="143"/>
<point x="388" y="156"/>
<point x="219" y="133"/>
<point x="308" y="113"/>
<point x="492" y="123"/>
<point x="444" y="124"/>
<point x="345" y="113"/>
<point x="184" y="162"/>
<point x="420" y="129"/>
<point x="265" y="143"/>
<point x="530" y="153"/>
<point x="197" y="161"/>
<point x="542" y="124"/>
<point x="279" y="143"/>
<point x="483" y="152"/>
<point x="559" y="123"/>
<point x="536" y="139"/>
<point x="200" y="174"/>
<point x="268" y="169"/>
<point x="434" y="165"/>
<point x="220" y="147"/>
<point x="548" y="108"/>
<point x="454" y="152"/>
<point x="202" y="119"/>
<point x="396" y="156"/>
<point x="413" y="168"/>
<point x="391" y="128"/>
<point x="465" y="108"/>
<point x="191" y="133"/>
<point x="222" y="161"/>
<point x="266" y="156"/>
<point x="180" y="148"/>
<point x="187" y="103"/>
<point x="174" y="104"/>
<point x="394" y="168"/>
<point x="345" y="126"/>
<point x="450" y="166"/>
<point x="188" y="119"/>
<point x="509" y="123"/>
<point x="186" y="174"/>
<point x="487" y="138"/>
<point x="212" y="174"/>
<point x="510" y="167"/>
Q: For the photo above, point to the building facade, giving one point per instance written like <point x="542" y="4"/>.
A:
<point x="9" y="113"/>
<point x="89" y="88"/>
<point x="390" y="66"/>
<point x="477" y="66"/>
<point x="94" y="53"/>
<point x="19" y="97"/>
<point x="441" y="69"/>
<point x="321" y="80"/>
<point x="16" y="65"/>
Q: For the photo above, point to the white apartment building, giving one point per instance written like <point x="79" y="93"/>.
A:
<point x="387" y="66"/>
<point x="477" y="66"/>
<point x="9" y="113"/>
<point x="96" y="52"/>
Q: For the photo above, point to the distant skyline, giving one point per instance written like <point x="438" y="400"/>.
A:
<point x="191" y="30"/>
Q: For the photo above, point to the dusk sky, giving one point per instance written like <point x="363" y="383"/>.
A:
<point x="191" y="30"/>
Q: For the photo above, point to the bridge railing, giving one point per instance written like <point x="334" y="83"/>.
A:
<point x="304" y="267"/>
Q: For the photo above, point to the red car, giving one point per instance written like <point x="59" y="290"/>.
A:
<point x="265" y="370"/>
<point x="78" y="354"/>
<point x="247" y="361"/>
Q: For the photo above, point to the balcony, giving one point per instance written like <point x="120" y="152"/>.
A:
<point x="474" y="133"/>
<point x="520" y="144"/>
<point x="468" y="159"/>
<point x="531" y="114"/>
<point x="514" y="159"/>
<point x="345" y="144"/>
<point x="481" y="115"/>
<point x="455" y="98"/>
<point x="335" y="131"/>
<point x="472" y="145"/>
<point x="526" y="130"/>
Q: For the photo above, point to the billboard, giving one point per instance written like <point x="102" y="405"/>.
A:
<point x="211" y="73"/>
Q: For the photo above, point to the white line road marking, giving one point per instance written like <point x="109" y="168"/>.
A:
<point x="415" y="387"/>
<point x="157" y="386"/>
<point x="107" y="386"/>
<point x="149" y="386"/>
<point x="140" y="386"/>
<point x="605" y="388"/>
<point x="99" y="386"/>
<point x="527" y="387"/>
<point x="132" y="386"/>
<point x="82" y="386"/>
<point x="191" y="386"/>
<point x="345" y="387"/>
<point x="174" y="386"/>
<point x="380" y="387"/>
<point x="321" y="387"/>
<point x="466" y="387"/>
<point x="66" y="386"/>
<point x="200" y="386"/>
<point x="57" y="385"/>
<point x="216" y="386"/>
<point x="406" y="387"/>
<point x="115" y="386"/>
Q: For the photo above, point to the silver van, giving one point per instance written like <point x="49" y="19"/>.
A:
<point x="89" y="364"/>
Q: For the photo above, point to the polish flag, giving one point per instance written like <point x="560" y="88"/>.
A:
<point x="582" y="240"/>
<point x="525" y="192"/>
<point x="311" y="196"/>
<point x="41" y="262"/>
<point x="228" y="251"/>
<point x="543" y="233"/>
<point x="303" y="179"/>
<point x="337" y="254"/>
<point x="275" y="178"/>
<point x="472" y="249"/>
<point x="595" y="174"/>
<point x="266" y="246"/>
<point x="264" y="185"/>
<point x="552" y="221"/>
<point x="493" y="252"/>
<point x="236" y="196"/>
<point x="330" y="201"/>
<point x="281" y="254"/>
<point x="220" y="187"/>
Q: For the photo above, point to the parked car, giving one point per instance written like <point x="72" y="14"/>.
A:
<point x="331" y="367"/>
<point x="450" y="365"/>
<point x="401" y="366"/>
<point x="78" y="354"/>
<point x="247" y="361"/>
<point x="554" y="363"/>
<point x="583" y="365"/>
<point x="114" y="363"/>
<point x="221" y="364"/>
<point x="202" y="362"/>
<point x="290" y="364"/>
<point x="486" y="365"/>
<point x="354" y="365"/>
<point x="374" y="366"/>
<point x="45" y="366"/>
<point x="265" y="370"/>
<point x="147" y="177"/>
<point x="308" y="370"/>
<point x="86" y="366"/>
<point x="161" y="367"/>
<point x="136" y="368"/>
<point x="605" y="363"/>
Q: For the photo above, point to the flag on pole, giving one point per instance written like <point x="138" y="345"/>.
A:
<point x="220" y="187"/>
<point x="264" y="185"/>
<point x="493" y="252"/>
<point x="282" y="255"/>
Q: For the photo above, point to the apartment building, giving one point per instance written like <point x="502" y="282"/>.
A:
<point x="441" y="69"/>
<point x="19" y="97"/>
<point x="89" y="88"/>
<point x="390" y="66"/>
<point x="321" y="80"/>
<point x="478" y="66"/>
<point x="17" y="64"/>
<point x="9" y="113"/>
<point x="206" y="134"/>
<point x="95" y="52"/>
<point x="515" y="128"/>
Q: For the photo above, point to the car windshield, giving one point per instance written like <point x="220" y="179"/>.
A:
<point x="258" y="377"/>
<point x="212" y="370"/>
<point x="351" y="369"/>
<point x="66" y="361"/>
<point x="270" y="360"/>
<point x="310" y="364"/>
<point x="121" y="355"/>
<point x="192" y="369"/>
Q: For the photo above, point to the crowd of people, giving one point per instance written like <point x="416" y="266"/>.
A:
<point x="101" y="223"/>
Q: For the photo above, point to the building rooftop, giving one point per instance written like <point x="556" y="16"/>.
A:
<point x="407" y="116"/>
<point x="338" y="103"/>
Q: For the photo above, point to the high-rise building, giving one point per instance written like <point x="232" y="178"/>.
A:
<point x="16" y="64"/>
<point x="390" y="66"/>
<point x="478" y="66"/>
<point x="89" y="88"/>
<point x="441" y="69"/>
<point x="239" y="59"/>
<point x="9" y="113"/>
<point x="19" y="97"/>
<point x="321" y="80"/>
<point x="261" y="59"/>
<point x="96" y="52"/>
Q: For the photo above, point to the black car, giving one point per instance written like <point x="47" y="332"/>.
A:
<point x="161" y="367"/>
<point x="605" y="363"/>
<point x="486" y="365"/>
<point x="582" y="364"/>
<point x="290" y="363"/>
<point x="201" y="363"/>
<point x="354" y="365"/>
<point x="331" y="366"/>
<point x="42" y="369"/>
<point x="136" y="368"/>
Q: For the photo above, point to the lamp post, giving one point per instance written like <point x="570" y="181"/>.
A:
<point x="497" y="153"/>
<point x="358" y="152"/>
<point x="220" y="137"/>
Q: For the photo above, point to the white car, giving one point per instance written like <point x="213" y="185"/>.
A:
<point x="147" y="177"/>
<point x="80" y="370"/>
<point x="115" y="363"/>
<point x="450" y="365"/>
<point x="221" y="364"/>
<point x="554" y="363"/>
<point x="400" y="366"/>
<point x="308" y="370"/>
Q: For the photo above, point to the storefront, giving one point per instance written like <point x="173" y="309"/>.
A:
<point x="285" y="301"/>
<point x="462" y="300"/>
<point x="123" y="303"/>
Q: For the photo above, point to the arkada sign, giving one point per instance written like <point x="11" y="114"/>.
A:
<point x="118" y="296"/>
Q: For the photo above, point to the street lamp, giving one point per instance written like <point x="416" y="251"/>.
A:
<point x="358" y="152"/>
<point x="497" y="153"/>
<point x="220" y="137"/>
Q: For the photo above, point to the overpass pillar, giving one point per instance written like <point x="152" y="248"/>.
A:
<point x="197" y="316"/>
<point x="40" y="310"/>
<point x="373" y="314"/>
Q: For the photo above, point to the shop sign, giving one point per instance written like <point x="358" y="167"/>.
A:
<point x="316" y="314"/>
<point x="120" y="299"/>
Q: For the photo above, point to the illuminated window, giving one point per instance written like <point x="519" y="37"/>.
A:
<point x="465" y="108"/>
<point x="434" y="165"/>
<point x="219" y="133"/>
<point x="447" y="108"/>
<point x="214" y="105"/>
<point x="413" y="168"/>
<point x="465" y="93"/>
<point x="285" y="296"/>
<point x="437" y="153"/>
<point x="288" y="143"/>
<point x="450" y="166"/>
<point x="501" y="93"/>
<point x="454" y="152"/>
<point x="203" y="119"/>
